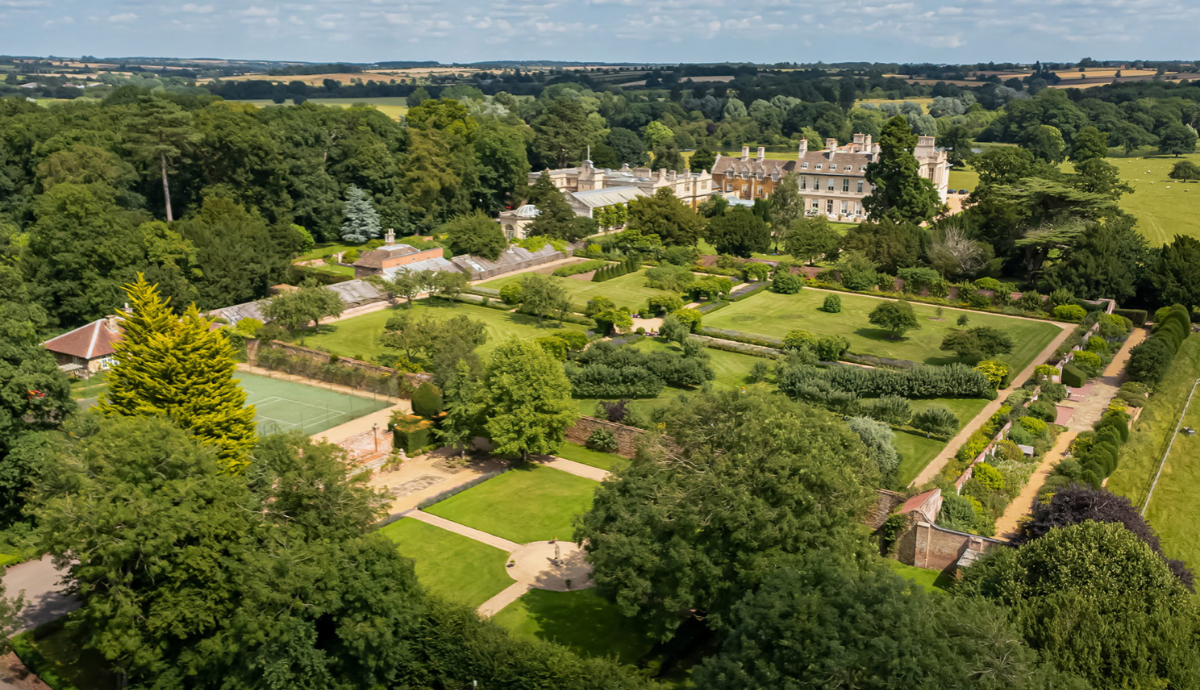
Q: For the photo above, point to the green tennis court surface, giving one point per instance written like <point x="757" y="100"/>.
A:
<point x="284" y="405"/>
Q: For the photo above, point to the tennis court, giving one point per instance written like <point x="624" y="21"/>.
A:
<point x="285" y="405"/>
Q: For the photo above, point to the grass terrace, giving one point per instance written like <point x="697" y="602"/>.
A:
<point x="626" y="291"/>
<point x="931" y="580"/>
<point x="580" y="621"/>
<point x="1174" y="512"/>
<point x="594" y="458"/>
<point x="449" y="565"/>
<point x="522" y="505"/>
<point x="773" y="315"/>
<point x="358" y="337"/>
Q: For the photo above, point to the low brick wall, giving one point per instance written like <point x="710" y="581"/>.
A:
<point x="626" y="436"/>
<point x="929" y="546"/>
<point x="885" y="502"/>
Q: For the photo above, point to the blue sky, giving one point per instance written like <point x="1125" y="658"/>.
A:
<point x="607" y="30"/>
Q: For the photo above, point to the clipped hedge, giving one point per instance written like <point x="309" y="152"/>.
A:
<point x="876" y="361"/>
<point x="747" y="291"/>
<point x="709" y="307"/>
<point x="950" y="381"/>
<point x="576" y="269"/>
<point x="1137" y="316"/>
<point x="740" y="337"/>
<point x="740" y="348"/>
<point x="1072" y="376"/>
<point x="411" y="433"/>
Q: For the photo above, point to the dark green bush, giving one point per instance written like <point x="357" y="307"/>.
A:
<point x="1137" y="316"/>
<point x="786" y="284"/>
<point x="1073" y="377"/>
<point x="833" y="304"/>
<point x="1043" y="410"/>
<point x="427" y="401"/>
<point x="602" y="440"/>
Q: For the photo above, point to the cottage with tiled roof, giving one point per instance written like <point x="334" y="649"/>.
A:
<point x="87" y="349"/>
<point x="392" y="255"/>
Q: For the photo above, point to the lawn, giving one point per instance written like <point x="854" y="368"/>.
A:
<point x="916" y="452"/>
<point x="522" y="505"/>
<point x="773" y="315"/>
<point x="449" y="565"/>
<point x="627" y="291"/>
<point x="1174" y="512"/>
<point x="358" y="337"/>
<point x="931" y="580"/>
<point x="323" y="249"/>
<point x="86" y="391"/>
<point x="594" y="458"/>
<point x="964" y="178"/>
<point x="580" y="621"/>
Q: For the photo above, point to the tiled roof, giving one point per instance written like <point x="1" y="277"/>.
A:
<point x="87" y="342"/>
<point x="437" y="263"/>
<point x="376" y="257"/>
<point x="848" y="164"/>
<point x="596" y="198"/>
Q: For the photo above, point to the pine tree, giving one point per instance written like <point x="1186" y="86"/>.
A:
<point x="362" y="221"/>
<point x="134" y="385"/>
<point x="180" y="369"/>
<point x="898" y="191"/>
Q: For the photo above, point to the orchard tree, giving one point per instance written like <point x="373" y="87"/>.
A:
<point x="935" y="420"/>
<point x="362" y="221"/>
<point x="899" y="193"/>
<point x="897" y="317"/>
<point x="739" y="232"/>
<point x="526" y="399"/>
<point x="737" y="481"/>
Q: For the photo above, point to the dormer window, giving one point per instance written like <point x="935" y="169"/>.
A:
<point x="833" y="166"/>
<point x="820" y="165"/>
<point x="804" y="166"/>
<point x="863" y="168"/>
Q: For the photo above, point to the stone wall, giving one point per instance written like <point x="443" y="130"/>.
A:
<point x="321" y="357"/>
<point x="885" y="502"/>
<point x="626" y="436"/>
<point x="929" y="546"/>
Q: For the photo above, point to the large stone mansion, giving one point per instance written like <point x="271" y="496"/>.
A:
<point x="832" y="181"/>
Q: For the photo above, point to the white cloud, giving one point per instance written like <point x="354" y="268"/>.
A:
<point x="254" y="11"/>
<point x="123" y="18"/>
<point x="328" y="21"/>
<point x="193" y="8"/>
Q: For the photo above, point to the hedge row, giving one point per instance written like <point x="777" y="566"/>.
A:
<point x="709" y="307"/>
<point x="486" y="292"/>
<point x="747" y="291"/>
<point x="630" y="265"/>
<point x="875" y="361"/>
<point x="740" y="337"/>
<point x="1137" y="316"/>
<point x="950" y="381"/>
<point x="1150" y="360"/>
<point x="1097" y="451"/>
<point x="741" y="348"/>
<point x="576" y="269"/>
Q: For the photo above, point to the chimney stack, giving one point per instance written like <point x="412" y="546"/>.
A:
<point x="867" y="143"/>
<point x="391" y="237"/>
<point x="830" y="144"/>
<point x="762" y="153"/>
<point x="745" y="153"/>
<point x="803" y="148"/>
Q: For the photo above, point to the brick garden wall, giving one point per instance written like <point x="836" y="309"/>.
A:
<point x="322" y="357"/>
<point x="626" y="436"/>
<point x="885" y="502"/>
<point x="930" y="546"/>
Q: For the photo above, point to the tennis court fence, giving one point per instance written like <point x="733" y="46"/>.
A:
<point x="324" y="366"/>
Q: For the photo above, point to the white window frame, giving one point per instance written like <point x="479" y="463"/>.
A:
<point x="846" y="184"/>
<point x="860" y="186"/>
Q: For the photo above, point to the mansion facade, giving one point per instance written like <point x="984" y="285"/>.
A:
<point x="832" y="181"/>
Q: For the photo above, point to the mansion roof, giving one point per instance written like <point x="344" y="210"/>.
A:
<point x="810" y="162"/>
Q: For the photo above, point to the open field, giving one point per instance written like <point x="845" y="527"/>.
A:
<point x="1164" y="207"/>
<point x="923" y="102"/>
<point x="587" y="456"/>
<point x="772" y="314"/>
<point x="358" y="337"/>
<point x="1174" y="512"/>
<point x="580" y="621"/>
<point x="627" y="291"/>
<point x="394" y="107"/>
<point x="285" y="405"/>
<point x="522" y="505"/>
<point x="449" y="565"/>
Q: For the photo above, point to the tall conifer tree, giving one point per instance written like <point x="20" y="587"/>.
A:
<point x="180" y="369"/>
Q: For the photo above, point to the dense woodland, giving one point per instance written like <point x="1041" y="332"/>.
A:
<point x="208" y="557"/>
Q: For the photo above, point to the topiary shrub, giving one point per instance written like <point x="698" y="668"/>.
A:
<point x="411" y="433"/>
<point x="796" y="339"/>
<point x="1097" y="344"/>
<point x="1090" y="362"/>
<point x="833" y="304"/>
<point x="1069" y="312"/>
<point x="1034" y="426"/>
<point x="1073" y="377"/>
<point x="602" y="440"/>
<point x="786" y="284"/>
<point x="1043" y="410"/>
<point x="427" y="401"/>
<point x="1045" y="372"/>
<point x="995" y="370"/>
<point x="830" y="348"/>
